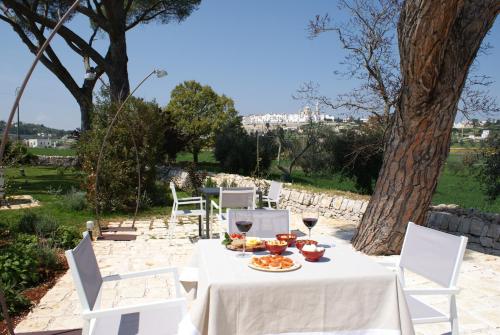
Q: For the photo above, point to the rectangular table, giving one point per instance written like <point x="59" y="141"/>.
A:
<point x="345" y="294"/>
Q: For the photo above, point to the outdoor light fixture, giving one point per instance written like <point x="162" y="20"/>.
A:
<point x="160" y="73"/>
<point x="90" y="227"/>
<point x="90" y="74"/>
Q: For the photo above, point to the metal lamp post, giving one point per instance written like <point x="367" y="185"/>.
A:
<point x="18" y="111"/>
<point x="159" y="74"/>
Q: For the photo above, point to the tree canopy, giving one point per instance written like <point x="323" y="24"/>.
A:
<point x="199" y="112"/>
<point x="32" y="21"/>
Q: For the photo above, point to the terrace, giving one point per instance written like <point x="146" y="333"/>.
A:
<point x="478" y="301"/>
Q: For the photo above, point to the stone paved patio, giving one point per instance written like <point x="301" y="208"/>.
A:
<point x="479" y="300"/>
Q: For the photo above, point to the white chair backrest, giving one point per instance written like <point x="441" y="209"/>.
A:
<point x="275" y="190"/>
<point x="265" y="223"/>
<point x="86" y="274"/>
<point x="237" y="197"/>
<point x="432" y="254"/>
<point x="174" y="193"/>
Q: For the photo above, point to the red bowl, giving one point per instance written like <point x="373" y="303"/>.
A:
<point x="275" y="249"/>
<point x="300" y="243"/>
<point x="313" y="256"/>
<point x="289" y="238"/>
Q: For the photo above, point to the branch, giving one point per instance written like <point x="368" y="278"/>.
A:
<point x="54" y="66"/>
<point x="64" y="32"/>
<point x="144" y="16"/>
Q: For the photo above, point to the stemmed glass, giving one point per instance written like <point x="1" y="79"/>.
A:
<point x="244" y="226"/>
<point x="310" y="218"/>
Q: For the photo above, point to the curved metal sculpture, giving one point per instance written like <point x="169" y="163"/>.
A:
<point x="5" y="136"/>
<point x="159" y="74"/>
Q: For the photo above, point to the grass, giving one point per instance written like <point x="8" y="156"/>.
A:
<point x="52" y="151"/>
<point x="45" y="183"/>
<point x="460" y="188"/>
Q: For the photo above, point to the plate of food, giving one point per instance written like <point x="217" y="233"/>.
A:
<point x="273" y="263"/>
<point x="235" y="242"/>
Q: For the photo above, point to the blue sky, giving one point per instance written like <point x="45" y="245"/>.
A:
<point x="257" y="52"/>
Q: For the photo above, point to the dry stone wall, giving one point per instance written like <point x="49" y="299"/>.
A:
<point x="482" y="229"/>
<point x="63" y="161"/>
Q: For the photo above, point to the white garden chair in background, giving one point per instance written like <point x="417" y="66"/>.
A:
<point x="161" y="317"/>
<point x="232" y="197"/>
<point x="199" y="211"/>
<point x="436" y="256"/>
<point x="273" y="196"/>
<point x="265" y="224"/>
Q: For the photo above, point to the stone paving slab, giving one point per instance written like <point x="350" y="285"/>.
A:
<point x="478" y="302"/>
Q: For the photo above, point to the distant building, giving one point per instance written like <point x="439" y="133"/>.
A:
<point x="485" y="134"/>
<point x="39" y="142"/>
<point x="304" y="115"/>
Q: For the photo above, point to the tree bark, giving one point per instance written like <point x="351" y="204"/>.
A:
<point x="117" y="53"/>
<point x="438" y="41"/>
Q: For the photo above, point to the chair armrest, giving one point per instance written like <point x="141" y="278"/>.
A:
<point x="190" y="198"/>
<point x="133" y="308"/>
<point x="139" y="274"/>
<point x="431" y="291"/>
<point x="190" y="202"/>
<point x="214" y="204"/>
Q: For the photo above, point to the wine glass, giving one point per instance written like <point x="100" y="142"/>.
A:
<point x="310" y="218"/>
<point x="243" y="226"/>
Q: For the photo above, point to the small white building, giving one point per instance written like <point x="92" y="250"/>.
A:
<point x="39" y="143"/>
<point x="485" y="133"/>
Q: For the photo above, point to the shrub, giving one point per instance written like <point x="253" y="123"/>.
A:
<point x="489" y="172"/>
<point x="27" y="222"/>
<point x="19" y="262"/>
<point x="138" y="126"/>
<point x="355" y="153"/>
<point x="60" y="171"/>
<point x="67" y="237"/>
<point x="236" y="150"/>
<point x="16" y="302"/>
<point x="75" y="200"/>
<point x="46" y="227"/>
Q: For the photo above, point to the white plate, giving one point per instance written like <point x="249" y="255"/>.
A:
<point x="294" y="267"/>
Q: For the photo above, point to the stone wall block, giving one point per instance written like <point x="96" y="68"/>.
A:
<point x="476" y="227"/>
<point x="326" y="201"/>
<point x="494" y="231"/>
<point x="486" y="241"/>
<point x="337" y="202"/>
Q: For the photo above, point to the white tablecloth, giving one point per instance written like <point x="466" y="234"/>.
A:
<point x="346" y="293"/>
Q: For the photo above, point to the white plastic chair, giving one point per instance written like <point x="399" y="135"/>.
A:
<point x="265" y="224"/>
<point x="199" y="211"/>
<point x="273" y="196"/>
<point x="233" y="197"/>
<point x="161" y="317"/>
<point x="436" y="256"/>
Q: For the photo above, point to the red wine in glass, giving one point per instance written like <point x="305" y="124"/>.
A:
<point x="310" y="218"/>
<point x="243" y="227"/>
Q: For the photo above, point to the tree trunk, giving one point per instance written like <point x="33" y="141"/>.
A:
<point x="438" y="41"/>
<point x="195" y="155"/>
<point x="117" y="53"/>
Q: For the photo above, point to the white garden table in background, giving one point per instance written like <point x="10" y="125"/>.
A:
<point x="344" y="294"/>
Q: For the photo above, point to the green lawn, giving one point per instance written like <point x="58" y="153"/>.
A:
<point x="454" y="187"/>
<point x="52" y="152"/>
<point x="43" y="183"/>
